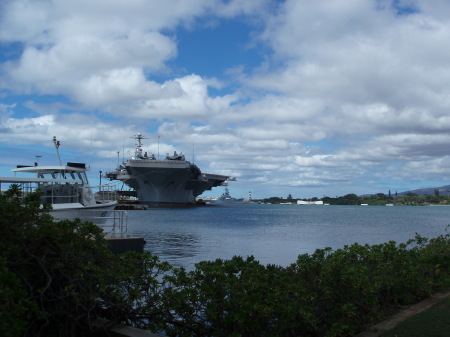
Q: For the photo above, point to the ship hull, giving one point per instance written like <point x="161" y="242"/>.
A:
<point x="165" y="182"/>
<point x="160" y="182"/>
<point x="227" y="199"/>
<point x="173" y="181"/>
<point x="99" y="213"/>
<point x="227" y="202"/>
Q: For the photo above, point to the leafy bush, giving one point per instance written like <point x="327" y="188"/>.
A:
<point x="356" y="285"/>
<point x="233" y="298"/>
<point x="328" y="293"/>
<point x="57" y="279"/>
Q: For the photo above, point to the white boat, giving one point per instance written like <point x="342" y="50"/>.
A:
<point x="66" y="188"/>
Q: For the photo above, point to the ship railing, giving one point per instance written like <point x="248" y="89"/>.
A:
<point x="105" y="193"/>
<point x="114" y="223"/>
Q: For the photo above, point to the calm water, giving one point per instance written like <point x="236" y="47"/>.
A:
<point x="276" y="234"/>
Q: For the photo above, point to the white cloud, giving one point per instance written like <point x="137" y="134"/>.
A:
<point x="62" y="67"/>
<point x="117" y="86"/>
<point x="185" y="98"/>
<point x="78" y="131"/>
<point x="358" y="53"/>
<point x="347" y="91"/>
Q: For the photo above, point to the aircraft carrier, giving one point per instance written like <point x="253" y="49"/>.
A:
<point x="172" y="181"/>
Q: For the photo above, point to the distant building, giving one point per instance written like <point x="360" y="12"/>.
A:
<point x="301" y="202"/>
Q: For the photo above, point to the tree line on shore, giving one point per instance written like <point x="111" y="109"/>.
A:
<point x="409" y="199"/>
<point x="60" y="279"/>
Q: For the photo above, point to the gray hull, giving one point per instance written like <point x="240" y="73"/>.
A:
<point x="227" y="199"/>
<point x="227" y="202"/>
<point x="165" y="182"/>
<point x="162" y="182"/>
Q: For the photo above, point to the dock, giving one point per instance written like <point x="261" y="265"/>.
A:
<point x="131" y="207"/>
<point x="122" y="244"/>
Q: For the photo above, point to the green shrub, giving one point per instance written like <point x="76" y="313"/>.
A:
<point x="13" y="303"/>
<point x="328" y="293"/>
<point x="58" y="278"/>
<point x="237" y="297"/>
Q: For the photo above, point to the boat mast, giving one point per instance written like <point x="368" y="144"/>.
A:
<point x="57" y="144"/>
<point x="138" y="150"/>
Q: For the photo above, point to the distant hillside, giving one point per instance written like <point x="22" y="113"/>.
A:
<point x="443" y="190"/>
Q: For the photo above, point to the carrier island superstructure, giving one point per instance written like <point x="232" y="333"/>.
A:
<point x="171" y="181"/>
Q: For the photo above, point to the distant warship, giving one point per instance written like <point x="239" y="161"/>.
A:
<point x="226" y="198"/>
<point x="170" y="181"/>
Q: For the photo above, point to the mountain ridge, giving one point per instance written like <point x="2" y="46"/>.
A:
<point x="443" y="190"/>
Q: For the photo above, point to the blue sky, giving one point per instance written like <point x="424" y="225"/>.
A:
<point x="308" y="98"/>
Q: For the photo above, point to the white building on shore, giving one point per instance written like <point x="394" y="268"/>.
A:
<point x="302" y="202"/>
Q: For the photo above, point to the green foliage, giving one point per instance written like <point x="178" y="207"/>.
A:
<point x="56" y="264"/>
<point x="353" y="286"/>
<point x="379" y="199"/>
<point x="58" y="278"/>
<point x="238" y="297"/>
<point x="412" y="199"/>
<point x="273" y="200"/>
<point x="328" y="293"/>
<point x="353" y="199"/>
<point x="13" y="303"/>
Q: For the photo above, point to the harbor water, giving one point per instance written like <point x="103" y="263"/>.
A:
<point x="276" y="234"/>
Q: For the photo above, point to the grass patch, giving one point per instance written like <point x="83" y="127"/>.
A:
<point x="434" y="322"/>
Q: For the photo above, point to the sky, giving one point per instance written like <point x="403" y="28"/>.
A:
<point x="298" y="97"/>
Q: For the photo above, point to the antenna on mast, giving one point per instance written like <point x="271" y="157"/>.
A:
<point x="138" y="150"/>
<point x="57" y="144"/>
<point x="36" y="163"/>
<point x="158" y="145"/>
<point x="123" y="151"/>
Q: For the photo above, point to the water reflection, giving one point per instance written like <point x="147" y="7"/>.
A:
<point x="173" y="247"/>
<point x="276" y="234"/>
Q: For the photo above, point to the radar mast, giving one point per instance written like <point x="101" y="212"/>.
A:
<point x="138" y="150"/>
